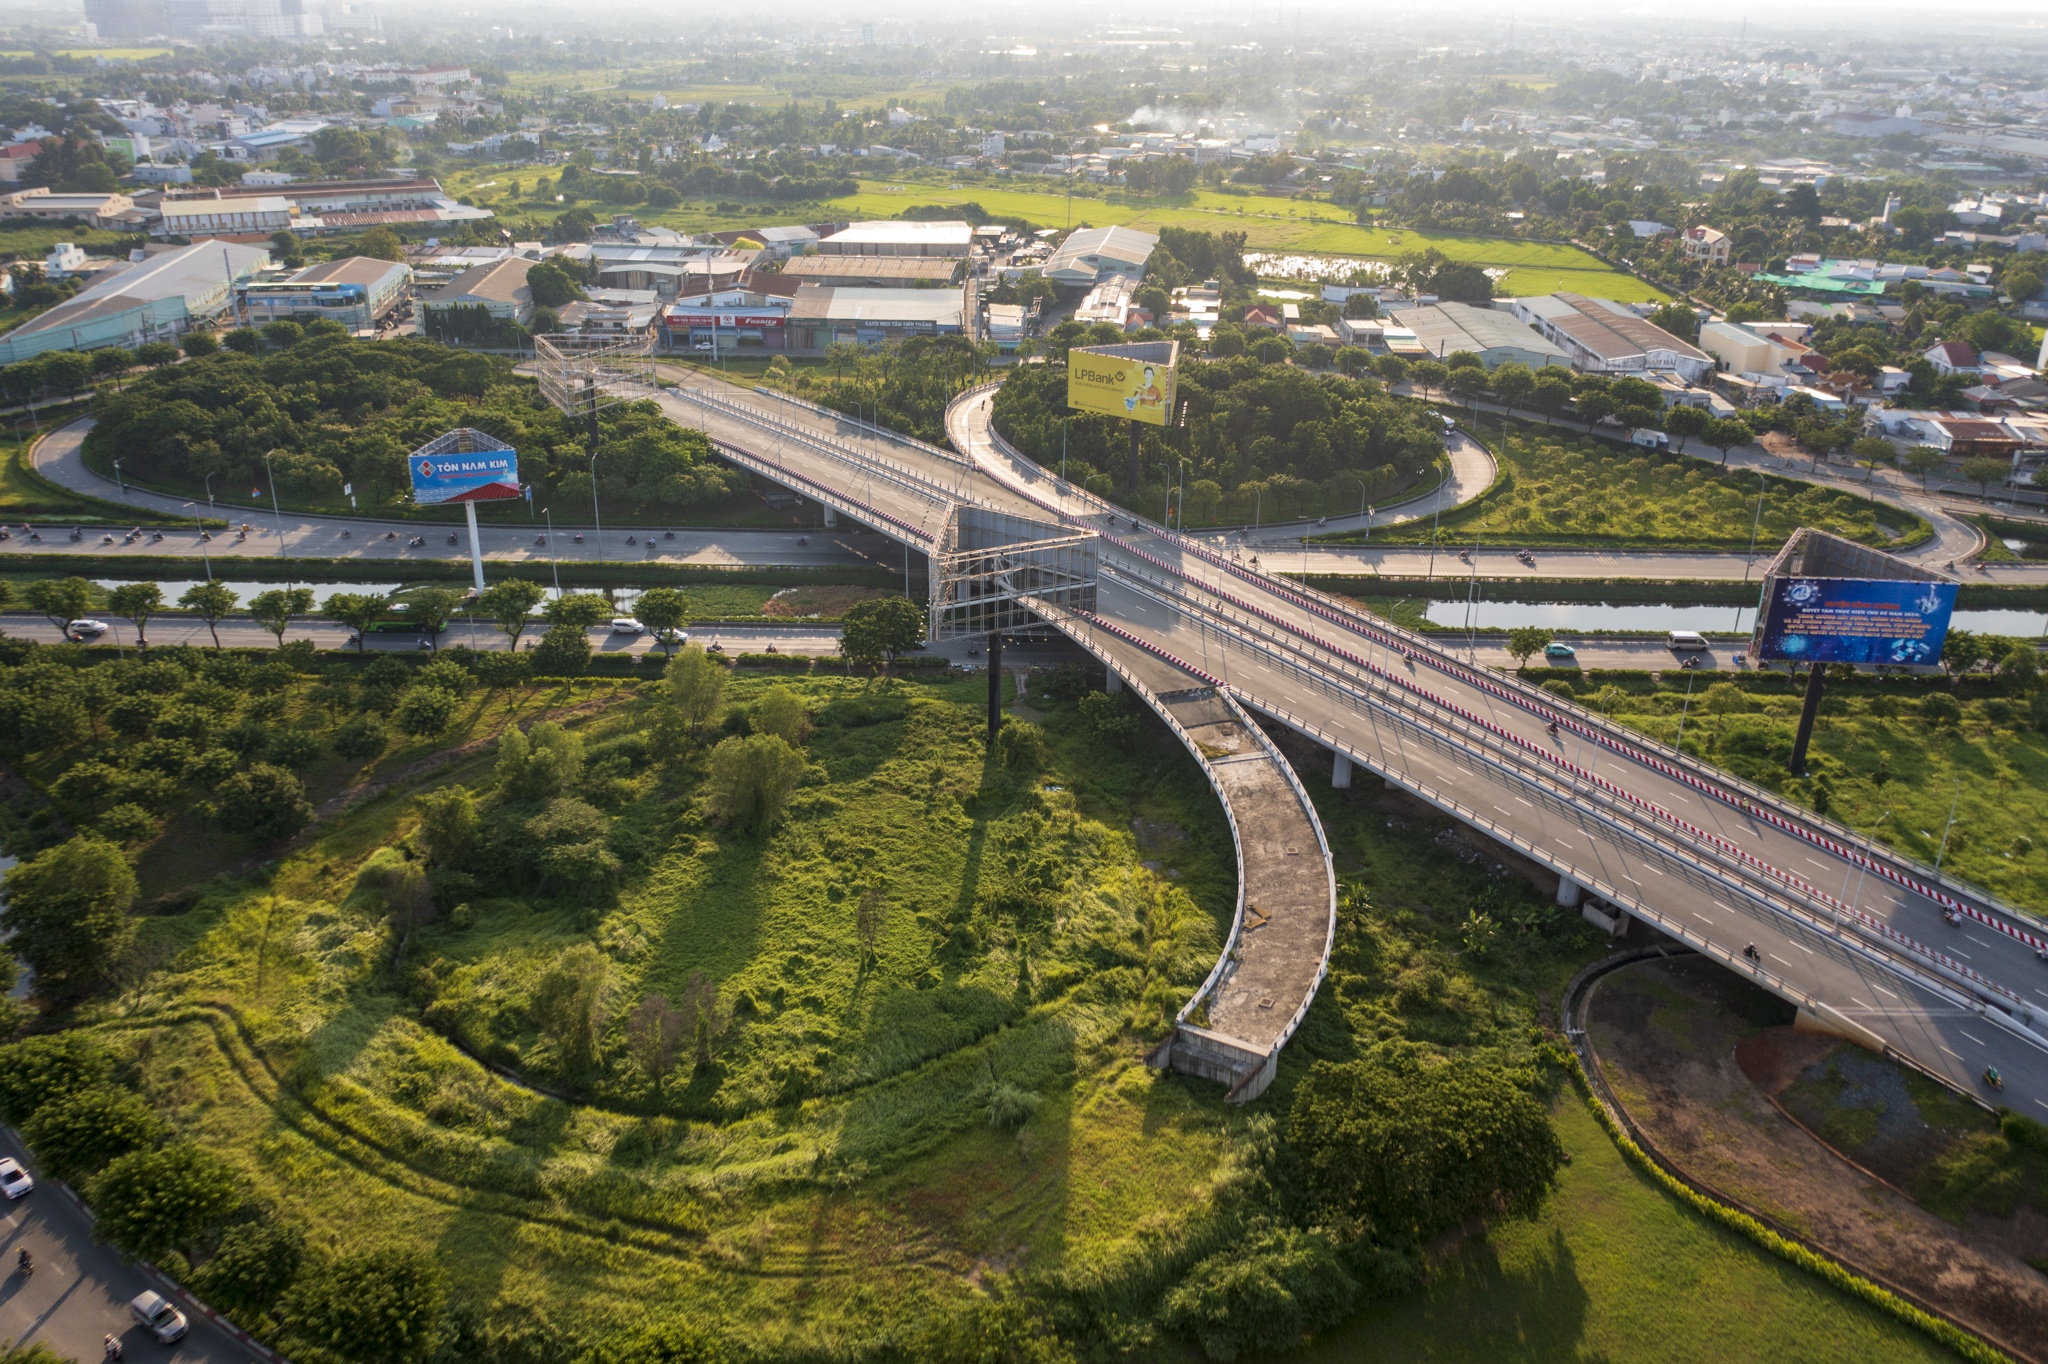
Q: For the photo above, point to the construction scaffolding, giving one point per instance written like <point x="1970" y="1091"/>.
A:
<point x="988" y="566"/>
<point x="582" y="375"/>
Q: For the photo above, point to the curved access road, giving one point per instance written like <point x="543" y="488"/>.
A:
<point x="1473" y="469"/>
<point x="59" y="457"/>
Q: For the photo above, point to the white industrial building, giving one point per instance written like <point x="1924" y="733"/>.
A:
<point x="902" y="237"/>
<point x="155" y="298"/>
<point x="1093" y="254"/>
<point x="1605" y="337"/>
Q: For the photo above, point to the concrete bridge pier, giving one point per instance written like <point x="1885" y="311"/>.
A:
<point x="831" y="518"/>
<point x="1340" y="772"/>
<point x="1113" y="683"/>
<point x="1568" y="892"/>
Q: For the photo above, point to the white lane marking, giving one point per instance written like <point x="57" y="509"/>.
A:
<point x="1881" y="990"/>
<point x="1816" y="862"/>
<point x="1524" y="802"/>
<point x="1964" y="955"/>
<point x="1562" y="844"/>
<point x="1704" y="919"/>
<point x="1804" y="948"/>
<point x="1978" y="1040"/>
<point x="1648" y="867"/>
<point x="1979" y="941"/>
<point x="1775" y="957"/>
<point x="1859" y="1003"/>
<point x="1630" y="879"/>
<point x="1958" y="1055"/>
<point x="2042" y="1102"/>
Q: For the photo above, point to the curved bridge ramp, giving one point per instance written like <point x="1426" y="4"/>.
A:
<point x="1278" y="951"/>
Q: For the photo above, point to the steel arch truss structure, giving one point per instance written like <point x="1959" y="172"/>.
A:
<point x="988" y="566"/>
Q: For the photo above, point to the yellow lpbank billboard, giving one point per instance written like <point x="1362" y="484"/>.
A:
<point x="1133" y="381"/>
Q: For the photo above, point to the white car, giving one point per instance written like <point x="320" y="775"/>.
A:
<point x="157" y="1316"/>
<point x="86" y="626"/>
<point x="14" y="1181"/>
<point x="626" y="625"/>
<point x="672" y="636"/>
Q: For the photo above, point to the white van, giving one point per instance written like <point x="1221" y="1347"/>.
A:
<point x="1685" y="639"/>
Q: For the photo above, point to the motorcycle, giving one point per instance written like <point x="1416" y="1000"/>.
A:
<point x="1993" y="1078"/>
<point x="1751" y="952"/>
<point x="579" y="537"/>
<point x="390" y="535"/>
<point x="25" y="1263"/>
<point x="803" y="539"/>
<point x="346" y="535"/>
<point x="106" y="539"/>
<point x="111" y="1347"/>
<point x="540" y="540"/>
<point x="631" y="541"/>
<point x="451" y="537"/>
<point x="1951" y="918"/>
<point x="668" y="535"/>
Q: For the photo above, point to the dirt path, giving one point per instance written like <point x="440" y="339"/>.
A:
<point x="1667" y="1035"/>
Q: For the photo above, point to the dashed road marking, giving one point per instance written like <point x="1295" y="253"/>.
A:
<point x="1776" y="958"/>
<point x="1978" y="1040"/>
<point x="1804" y="948"/>
<point x="1881" y="990"/>
<point x="1958" y="1055"/>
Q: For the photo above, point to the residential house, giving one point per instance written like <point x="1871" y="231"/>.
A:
<point x="16" y="159"/>
<point x="1705" y="244"/>
<point x="1952" y="357"/>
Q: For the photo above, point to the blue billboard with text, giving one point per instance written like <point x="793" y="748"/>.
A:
<point x="1872" y="622"/>
<point x="464" y="476"/>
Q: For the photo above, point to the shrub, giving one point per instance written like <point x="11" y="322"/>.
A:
<point x="383" y="1307"/>
<point x="1264" y="1295"/>
<point x="751" y="779"/>
<point x="150" y="1203"/>
<point x="1412" y="1149"/>
<point x="126" y="823"/>
<point x="42" y="1070"/>
<point x="253" y="1266"/>
<point x="360" y="739"/>
<point x="564" y="651"/>
<point x="1939" y="708"/>
<point x="67" y="909"/>
<point x="79" y="1133"/>
<point x="264" y="803"/>
<point x="292" y="748"/>
<point x="425" y="711"/>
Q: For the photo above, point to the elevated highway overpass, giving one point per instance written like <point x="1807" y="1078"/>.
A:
<point x="1852" y="933"/>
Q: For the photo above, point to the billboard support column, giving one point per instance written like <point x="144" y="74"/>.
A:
<point x="476" y="546"/>
<point x="1134" y="455"/>
<point x="1816" y="678"/>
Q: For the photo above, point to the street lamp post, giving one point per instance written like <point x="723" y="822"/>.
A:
<point x="204" y="557"/>
<point x="553" y="564"/>
<point x="276" y="514"/>
<point x="209" y="492"/>
<point x="1755" y="522"/>
<point x="119" y="479"/>
<point x="1684" y="710"/>
<point x="593" y="507"/>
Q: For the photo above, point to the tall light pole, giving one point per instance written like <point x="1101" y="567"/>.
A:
<point x="1755" y="523"/>
<point x="119" y="479"/>
<point x="593" y="507"/>
<point x="553" y="564"/>
<point x="204" y="557"/>
<point x="209" y="492"/>
<point x="276" y="514"/>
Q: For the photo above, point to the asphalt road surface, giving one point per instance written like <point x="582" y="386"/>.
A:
<point x="80" y="1291"/>
<point x="58" y="458"/>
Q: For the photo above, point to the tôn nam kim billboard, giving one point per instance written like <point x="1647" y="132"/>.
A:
<point x="1828" y="600"/>
<point x="1132" y="381"/>
<point x="464" y="466"/>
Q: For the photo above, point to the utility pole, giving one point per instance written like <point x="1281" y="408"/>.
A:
<point x="590" y="397"/>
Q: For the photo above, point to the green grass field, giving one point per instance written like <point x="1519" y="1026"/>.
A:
<point x="1615" y="1269"/>
<point x="1268" y="222"/>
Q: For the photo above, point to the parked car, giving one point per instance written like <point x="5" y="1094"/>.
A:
<point x="1562" y="652"/>
<point x="626" y="625"/>
<point x="14" y="1181"/>
<point x="158" y="1317"/>
<point x="85" y="626"/>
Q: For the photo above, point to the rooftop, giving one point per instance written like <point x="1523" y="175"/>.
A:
<point x="900" y="230"/>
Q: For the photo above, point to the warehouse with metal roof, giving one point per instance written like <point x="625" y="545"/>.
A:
<point x="1445" y="329"/>
<point x="157" y="298"/>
